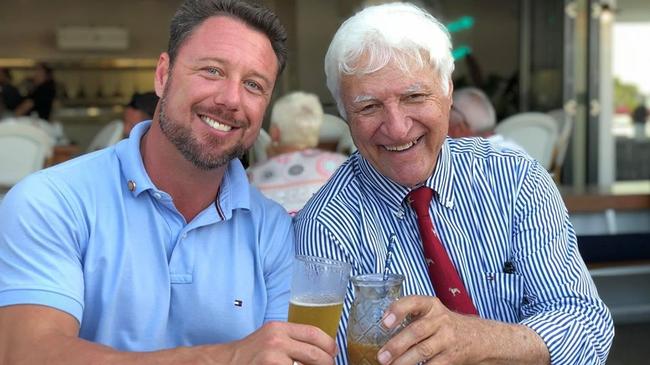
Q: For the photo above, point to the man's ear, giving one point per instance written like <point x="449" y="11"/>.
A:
<point x="162" y="73"/>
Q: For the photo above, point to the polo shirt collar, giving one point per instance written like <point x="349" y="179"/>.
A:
<point x="393" y="194"/>
<point x="128" y="153"/>
<point x="234" y="192"/>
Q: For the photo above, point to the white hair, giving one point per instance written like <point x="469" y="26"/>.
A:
<point x="477" y="109"/>
<point x="394" y="33"/>
<point x="298" y="116"/>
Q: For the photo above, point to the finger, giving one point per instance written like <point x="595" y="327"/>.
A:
<point x="313" y="336"/>
<point x="428" y="351"/>
<point x="413" y="305"/>
<point x="419" y="331"/>
<point x="304" y="353"/>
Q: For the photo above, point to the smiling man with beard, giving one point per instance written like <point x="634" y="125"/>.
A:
<point x="157" y="250"/>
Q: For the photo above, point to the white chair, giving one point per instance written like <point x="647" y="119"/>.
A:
<point x="53" y="129"/>
<point x="346" y="145"/>
<point x="109" y="135"/>
<point x="24" y="148"/>
<point x="565" y="127"/>
<point x="336" y="131"/>
<point x="258" y="152"/>
<point x="536" y="132"/>
<point x="332" y="129"/>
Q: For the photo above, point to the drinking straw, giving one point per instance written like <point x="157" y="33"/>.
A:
<point x="389" y="255"/>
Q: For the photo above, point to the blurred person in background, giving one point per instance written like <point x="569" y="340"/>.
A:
<point x="10" y="97"/>
<point x="141" y="107"/>
<point x="41" y="97"/>
<point x="157" y="250"/>
<point x="296" y="169"/>
<point x="640" y="117"/>
<point x="472" y="115"/>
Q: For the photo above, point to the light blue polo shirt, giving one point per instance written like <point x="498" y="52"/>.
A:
<point x="95" y="238"/>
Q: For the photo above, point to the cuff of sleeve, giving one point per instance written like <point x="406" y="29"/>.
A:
<point x="276" y="316"/>
<point x="42" y="297"/>
<point x="564" y="337"/>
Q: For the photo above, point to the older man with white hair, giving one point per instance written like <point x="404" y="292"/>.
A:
<point x="296" y="169"/>
<point x="490" y="259"/>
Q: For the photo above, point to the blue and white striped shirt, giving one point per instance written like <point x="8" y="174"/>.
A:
<point x="491" y="207"/>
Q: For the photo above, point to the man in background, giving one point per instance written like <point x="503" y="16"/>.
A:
<point x="640" y="117"/>
<point x="9" y="94"/>
<point x="40" y="99"/>
<point x="141" y="107"/>
<point x="472" y="115"/>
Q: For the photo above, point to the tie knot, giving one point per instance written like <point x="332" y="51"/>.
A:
<point x="419" y="199"/>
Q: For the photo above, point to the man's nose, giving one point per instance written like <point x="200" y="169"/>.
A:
<point x="397" y="123"/>
<point x="228" y="94"/>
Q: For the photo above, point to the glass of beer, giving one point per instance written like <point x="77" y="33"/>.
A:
<point x="373" y="294"/>
<point x="317" y="292"/>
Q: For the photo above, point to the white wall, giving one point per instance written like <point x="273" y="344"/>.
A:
<point x="28" y="27"/>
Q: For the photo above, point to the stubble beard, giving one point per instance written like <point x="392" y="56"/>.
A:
<point x="180" y="135"/>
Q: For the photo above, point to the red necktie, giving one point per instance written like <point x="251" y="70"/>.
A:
<point x="446" y="282"/>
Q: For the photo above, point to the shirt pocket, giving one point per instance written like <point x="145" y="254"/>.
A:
<point x="507" y="295"/>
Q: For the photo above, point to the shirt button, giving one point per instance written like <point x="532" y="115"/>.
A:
<point x="399" y="214"/>
<point x="157" y="195"/>
<point x="184" y="236"/>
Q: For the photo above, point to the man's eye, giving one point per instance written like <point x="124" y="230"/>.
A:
<point x="253" y="85"/>
<point x="415" y="97"/>
<point x="367" y="109"/>
<point x="213" y="70"/>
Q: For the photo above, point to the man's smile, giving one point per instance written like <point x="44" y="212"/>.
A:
<point x="402" y="147"/>
<point x="214" y="124"/>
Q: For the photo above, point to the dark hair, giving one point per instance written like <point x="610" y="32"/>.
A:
<point x="193" y="12"/>
<point x="145" y="102"/>
<point x="5" y="71"/>
<point x="46" y="68"/>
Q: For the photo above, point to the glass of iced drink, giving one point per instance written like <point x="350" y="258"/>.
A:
<point x="373" y="294"/>
<point x="317" y="292"/>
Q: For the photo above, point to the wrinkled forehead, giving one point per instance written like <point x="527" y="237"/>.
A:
<point x="402" y="76"/>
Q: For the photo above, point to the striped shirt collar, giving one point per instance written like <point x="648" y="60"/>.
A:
<point x="393" y="194"/>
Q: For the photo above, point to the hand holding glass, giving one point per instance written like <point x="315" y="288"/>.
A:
<point x="317" y="292"/>
<point x="373" y="294"/>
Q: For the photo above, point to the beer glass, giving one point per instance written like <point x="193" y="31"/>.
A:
<point x="317" y="292"/>
<point x="372" y="296"/>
